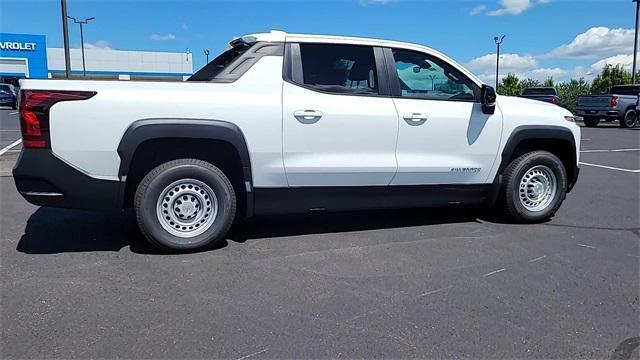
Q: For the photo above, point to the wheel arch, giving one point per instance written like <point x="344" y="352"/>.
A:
<point x="555" y="139"/>
<point x="204" y="139"/>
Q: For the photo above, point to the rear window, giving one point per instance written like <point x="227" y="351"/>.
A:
<point x="209" y="71"/>
<point x="539" y="91"/>
<point x="342" y="69"/>
<point x="626" y="90"/>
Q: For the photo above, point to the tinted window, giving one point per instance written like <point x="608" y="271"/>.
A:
<point x="209" y="71"/>
<point x="625" y="90"/>
<point x="424" y="77"/>
<point x="343" y="69"/>
<point x="539" y="91"/>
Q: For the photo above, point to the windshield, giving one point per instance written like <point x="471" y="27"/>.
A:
<point x="5" y="88"/>
<point x="539" y="91"/>
<point x="209" y="71"/>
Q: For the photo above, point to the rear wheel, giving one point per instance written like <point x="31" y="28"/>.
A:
<point x="535" y="185"/>
<point x="591" y="121"/>
<point x="185" y="204"/>
<point x="629" y="120"/>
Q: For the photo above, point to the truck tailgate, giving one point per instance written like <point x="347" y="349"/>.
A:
<point x="598" y="102"/>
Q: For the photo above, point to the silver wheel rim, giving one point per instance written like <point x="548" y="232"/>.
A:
<point x="537" y="188"/>
<point x="187" y="208"/>
<point x="630" y="119"/>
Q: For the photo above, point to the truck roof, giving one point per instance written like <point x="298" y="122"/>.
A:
<point x="281" y="36"/>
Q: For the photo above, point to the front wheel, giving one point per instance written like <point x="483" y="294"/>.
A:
<point x="629" y="119"/>
<point x="535" y="184"/>
<point x="185" y="205"/>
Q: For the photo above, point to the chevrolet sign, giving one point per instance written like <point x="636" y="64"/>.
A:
<point x="19" y="46"/>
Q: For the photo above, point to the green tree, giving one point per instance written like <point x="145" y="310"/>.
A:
<point x="610" y="76"/>
<point x="529" y="83"/>
<point x="568" y="92"/>
<point x="548" y="82"/>
<point x="509" y="85"/>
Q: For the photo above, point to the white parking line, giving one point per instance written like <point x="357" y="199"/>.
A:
<point x="608" y="150"/>
<point x="538" y="258"/>
<point x="609" y="167"/>
<point x="494" y="272"/>
<point x="587" y="246"/>
<point x="7" y="148"/>
<point x="254" y="354"/>
<point x="13" y="113"/>
<point x="436" y="291"/>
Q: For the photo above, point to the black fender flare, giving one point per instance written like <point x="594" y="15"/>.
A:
<point x="527" y="132"/>
<point x="532" y="132"/>
<point x="542" y="132"/>
<point x="150" y="129"/>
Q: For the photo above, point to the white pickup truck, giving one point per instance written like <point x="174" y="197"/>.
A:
<point x="284" y="123"/>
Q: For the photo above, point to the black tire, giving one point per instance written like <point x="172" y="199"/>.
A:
<point x="513" y="175"/>
<point x="155" y="183"/>
<point x="629" y="120"/>
<point x="591" y="122"/>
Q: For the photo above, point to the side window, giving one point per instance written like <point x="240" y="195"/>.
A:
<point x="424" y="77"/>
<point x="342" y="69"/>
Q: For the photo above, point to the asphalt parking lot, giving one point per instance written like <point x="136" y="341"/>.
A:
<point x="409" y="283"/>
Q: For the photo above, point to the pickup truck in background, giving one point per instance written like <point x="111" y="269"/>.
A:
<point x="282" y="123"/>
<point x="8" y="96"/>
<point x="619" y="105"/>
<point x="546" y="94"/>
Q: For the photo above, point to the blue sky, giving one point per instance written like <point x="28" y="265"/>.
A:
<point x="544" y="37"/>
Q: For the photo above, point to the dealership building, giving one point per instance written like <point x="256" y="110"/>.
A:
<point x="27" y="56"/>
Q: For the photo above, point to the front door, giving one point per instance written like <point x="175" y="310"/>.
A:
<point x="443" y="136"/>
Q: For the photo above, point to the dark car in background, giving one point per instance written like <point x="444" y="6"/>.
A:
<point x="619" y="104"/>
<point x="7" y="96"/>
<point x="546" y="94"/>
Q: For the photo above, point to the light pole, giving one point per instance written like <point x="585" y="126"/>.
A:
<point x="82" y="22"/>
<point x="498" y="41"/>
<point x="206" y="53"/>
<point x="65" y="34"/>
<point x="635" y="45"/>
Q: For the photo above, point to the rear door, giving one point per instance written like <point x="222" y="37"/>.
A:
<point x="443" y="136"/>
<point x="339" y="128"/>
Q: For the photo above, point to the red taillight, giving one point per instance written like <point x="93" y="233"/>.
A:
<point x="554" y="99"/>
<point x="614" y="101"/>
<point x="34" y="113"/>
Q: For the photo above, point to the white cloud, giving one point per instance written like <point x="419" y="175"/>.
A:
<point x="544" y="73"/>
<point x="158" y="37"/>
<point x="508" y="63"/>
<point x="184" y="27"/>
<point x="626" y="60"/>
<point x="478" y="9"/>
<point x="100" y="44"/>
<point x="515" y="7"/>
<point x="523" y="66"/>
<point x="596" y="43"/>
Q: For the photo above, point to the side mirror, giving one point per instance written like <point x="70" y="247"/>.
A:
<point x="488" y="99"/>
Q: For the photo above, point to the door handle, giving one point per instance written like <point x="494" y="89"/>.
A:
<point x="307" y="116"/>
<point x="415" y="118"/>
